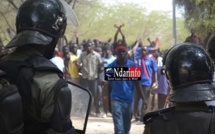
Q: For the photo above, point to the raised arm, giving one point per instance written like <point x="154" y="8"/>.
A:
<point x="116" y="34"/>
<point x="136" y="45"/>
<point x="76" y="37"/>
<point x="123" y="36"/>
<point x="157" y="44"/>
<point x="149" y="40"/>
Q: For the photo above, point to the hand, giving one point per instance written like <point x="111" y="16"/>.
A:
<point x="76" y="34"/>
<point x="155" y="84"/>
<point x="119" y="27"/>
<point x="109" y="40"/>
<point x="167" y="99"/>
<point x="103" y="83"/>
<point x="122" y="25"/>
<point x="116" y="26"/>
<point x="145" y="106"/>
<point x="75" y="62"/>
<point x="104" y="62"/>
<point x="154" y="88"/>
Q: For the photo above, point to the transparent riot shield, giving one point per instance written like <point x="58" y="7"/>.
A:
<point x="81" y="100"/>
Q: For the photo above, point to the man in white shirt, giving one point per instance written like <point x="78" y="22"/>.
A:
<point x="58" y="61"/>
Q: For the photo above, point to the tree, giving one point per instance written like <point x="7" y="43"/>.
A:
<point x="198" y="14"/>
<point x="8" y="10"/>
<point x="96" y="21"/>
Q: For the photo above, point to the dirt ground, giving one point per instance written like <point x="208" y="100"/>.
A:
<point x="105" y="126"/>
<point x="98" y="125"/>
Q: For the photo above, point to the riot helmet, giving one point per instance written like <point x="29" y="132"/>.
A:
<point x="188" y="67"/>
<point x="40" y="22"/>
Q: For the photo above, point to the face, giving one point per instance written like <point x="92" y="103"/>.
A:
<point x="144" y="51"/>
<point x="74" y="48"/>
<point x="155" y="54"/>
<point x="121" y="54"/>
<point x="107" y="52"/>
<point x="89" y="47"/>
<point x="119" y="42"/>
<point x="65" y="49"/>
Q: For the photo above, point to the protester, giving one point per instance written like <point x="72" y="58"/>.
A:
<point x="66" y="58"/>
<point x="72" y="67"/>
<point x="194" y="38"/>
<point x="163" y="88"/>
<point x="90" y="62"/>
<point x="148" y="71"/>
<point x="108" y="59"/>
<point x="121" y="92"/>
<point x="58" y="61"/>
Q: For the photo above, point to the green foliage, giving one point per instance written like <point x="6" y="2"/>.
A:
<point x="96" y="21"/>
<point x="199" y="14"/>
<point x="7" y="19"/>
<point x="99" y="23"/>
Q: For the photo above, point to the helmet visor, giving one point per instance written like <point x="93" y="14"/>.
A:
<point x="70" y="14"/>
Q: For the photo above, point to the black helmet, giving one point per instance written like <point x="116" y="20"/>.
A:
<point x="46" y="16"/>
<point x="186" y="66"/>
<point x="39" y="22"/>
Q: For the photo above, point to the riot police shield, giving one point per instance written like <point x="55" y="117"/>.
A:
<point x="81" y="100"/>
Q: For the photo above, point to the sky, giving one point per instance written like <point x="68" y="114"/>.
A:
<point x="163" y="5"/>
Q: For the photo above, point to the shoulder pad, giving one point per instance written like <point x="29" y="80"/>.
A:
<point x="163" y="113"/>
<point x="41" y="63"/>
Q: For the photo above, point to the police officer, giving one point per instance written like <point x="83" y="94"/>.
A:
<point x="46" y="98"/>
<point x="189" y="71"/>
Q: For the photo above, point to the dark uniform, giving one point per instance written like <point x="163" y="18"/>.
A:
<point x="189" y="71"/>
<point x="46" y="98"/>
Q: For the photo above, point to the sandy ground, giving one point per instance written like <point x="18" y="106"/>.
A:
<point x="96" y="125"/>
<point x="105" y="126"/>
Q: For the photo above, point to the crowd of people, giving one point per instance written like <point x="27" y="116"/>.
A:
<point x="83" y="63"/>
<point x="46" y="106"/>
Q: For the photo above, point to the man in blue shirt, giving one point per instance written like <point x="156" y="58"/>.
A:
<point x="121" y="93"/>
<point x="138" y="48"/>
<point x="148" y="78"/>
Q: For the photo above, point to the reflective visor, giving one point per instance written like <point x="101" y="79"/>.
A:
<point x="70" y="14"/>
